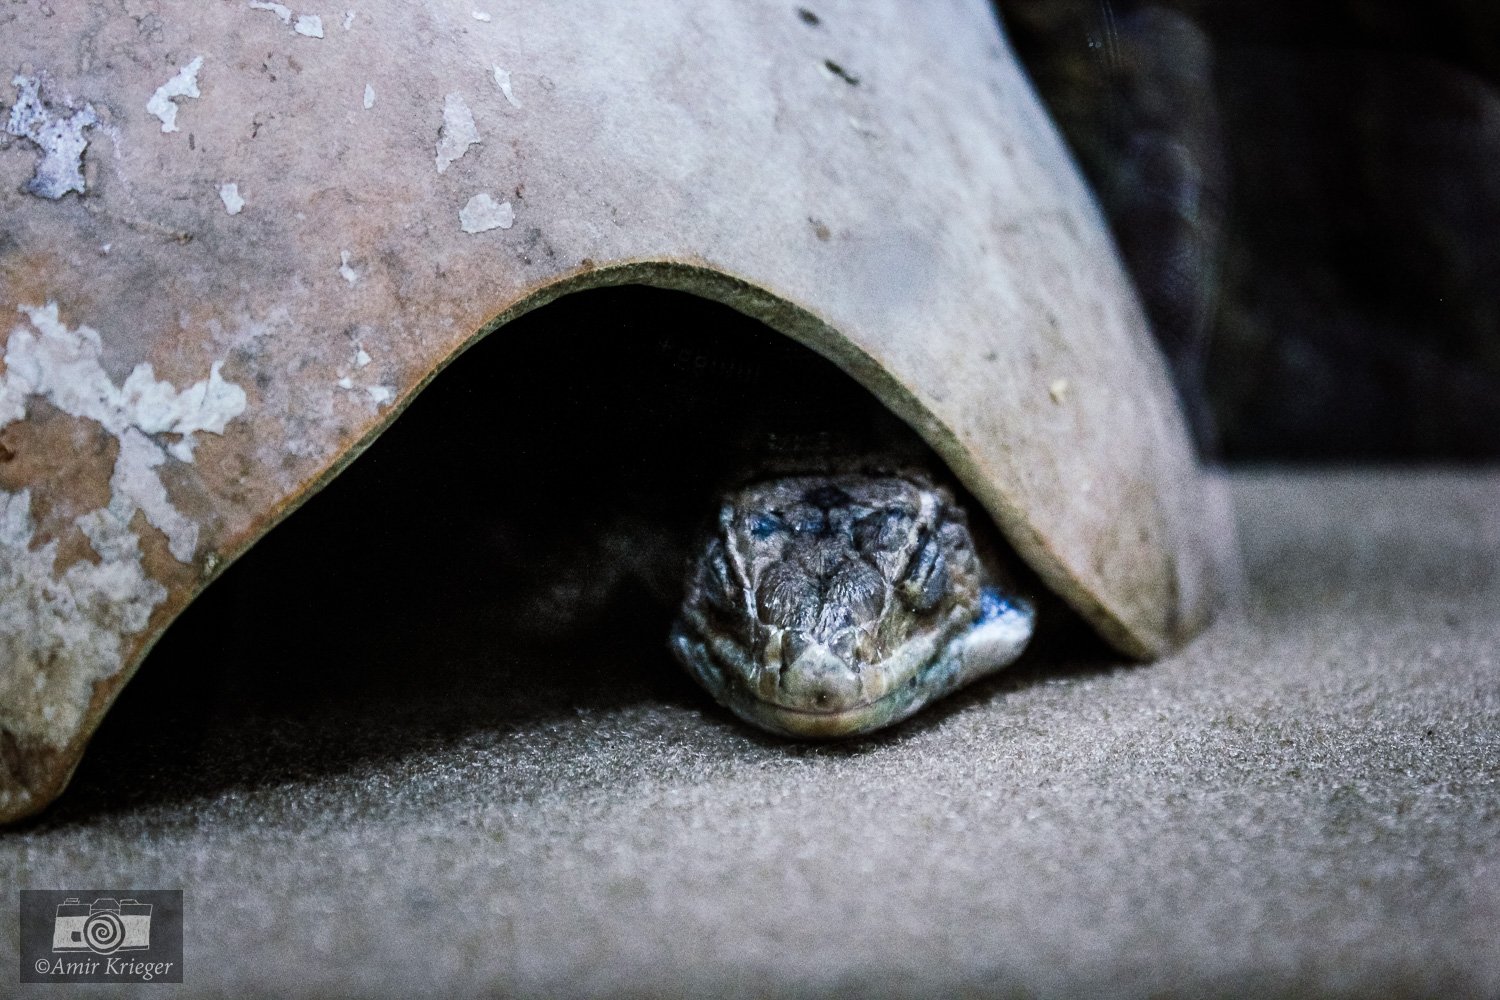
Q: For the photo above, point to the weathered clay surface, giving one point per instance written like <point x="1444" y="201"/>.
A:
<point x="289" y="220"/>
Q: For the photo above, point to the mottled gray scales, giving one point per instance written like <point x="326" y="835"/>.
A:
<point x="835" y="604"/>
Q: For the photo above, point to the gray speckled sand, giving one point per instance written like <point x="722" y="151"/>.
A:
<point x="1307" y="801"/>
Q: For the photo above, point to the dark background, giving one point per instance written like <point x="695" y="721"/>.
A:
<point x="1308" y="196"/>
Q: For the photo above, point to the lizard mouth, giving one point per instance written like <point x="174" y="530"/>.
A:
<point x="803" y="723"/>
<point x="889" y="691"/>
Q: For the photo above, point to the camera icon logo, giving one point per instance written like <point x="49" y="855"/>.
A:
<point x="103" y="927"/>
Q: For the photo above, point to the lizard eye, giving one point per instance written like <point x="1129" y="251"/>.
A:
<point x="763" y="526"/>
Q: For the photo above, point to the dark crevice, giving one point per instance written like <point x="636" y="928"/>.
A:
<point x="420" y="599"/>
<point x="841" y="72"/>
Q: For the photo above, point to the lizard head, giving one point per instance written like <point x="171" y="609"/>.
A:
<point x="834" y="605"/>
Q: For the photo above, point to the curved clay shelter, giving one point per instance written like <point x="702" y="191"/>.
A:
<point x="238" y="238"/>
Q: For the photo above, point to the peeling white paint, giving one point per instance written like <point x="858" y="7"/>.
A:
<point x="348" y="19"/>
<point x="60" y="633"/>
<point x="310" y="25"/>
<point x="380" y="394"/>
<point x="458" y="132"/>
<point x="15" y="519"/>
<point x="482" y="214"/>
<point x="369" y="97"/>
<point x="230" y="195"/>
<point x="12" y="401"/>
<point x="49" y="360"/>
<point x="348" y="273"/>
<point x="135" y="480"/>
<point x="58" y="136"/>
<point x="480" y="15"/>
<point x="283" y="12"/>
<point x="184" y="84"/>
<point x="502" y="80"/>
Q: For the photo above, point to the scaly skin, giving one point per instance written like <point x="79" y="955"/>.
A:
<point x="827" y="606"/>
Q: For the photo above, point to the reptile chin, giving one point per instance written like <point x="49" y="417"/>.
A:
<point x="820" y="696"/>
<point x="834" y="605"/>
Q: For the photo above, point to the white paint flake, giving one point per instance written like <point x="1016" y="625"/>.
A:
<point x="230" y="195"/>
<point x="12" y="401"/>
<point x="458" y="132"/>
<point x="283" y="12"/>
<point x="482" y="214"/>
<point x="480" y="15"/>
<point x="49" y="360"/>
<point x="61" y="633"/>
<point x="1058" y="390"/>
<point x="348" y="19"/>
<point x="310" y="25"/>
<point x="59" y="136"/>
<point x="379" y="394"/>
<point x="502" y="80"/>
<point x="345" y="271"/>
<point x="184" y="84"/>
<point x="369" y="97"/>
<point x="15" y="519"/>
<point x="136" y="481"/>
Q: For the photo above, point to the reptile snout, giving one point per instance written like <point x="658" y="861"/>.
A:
<point x="817" y="675"/>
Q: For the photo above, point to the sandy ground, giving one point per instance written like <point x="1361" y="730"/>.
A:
<point x="383" y="794"/>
